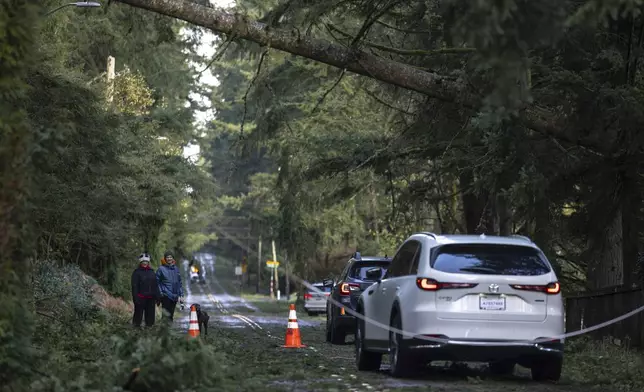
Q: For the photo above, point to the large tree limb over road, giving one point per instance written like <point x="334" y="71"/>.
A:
<point x="351" y="59"/>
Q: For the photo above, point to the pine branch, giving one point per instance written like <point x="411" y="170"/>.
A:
<point x="321" y="99"/>
<point x="407" y="52"/>
<point x="250" y="85"/>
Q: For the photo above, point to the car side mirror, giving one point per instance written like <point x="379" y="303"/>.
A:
<point x="327" y="283"/>
<point x="374" y="274"/>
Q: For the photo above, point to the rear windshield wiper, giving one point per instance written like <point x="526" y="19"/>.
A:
<point x="483" y="270"/>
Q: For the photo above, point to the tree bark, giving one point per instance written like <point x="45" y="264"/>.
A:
<point x="351" y="59"/>
<point x="504" y="215"/>
<point x="631" y="222"/>
<point x="606" y="269"/>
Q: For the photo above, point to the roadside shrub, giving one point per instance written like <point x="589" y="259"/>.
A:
<point x="609" y="362"/>
<point x="64" y="306"/>
<point x="168" y="362"/>
<point x="86" y="343"/>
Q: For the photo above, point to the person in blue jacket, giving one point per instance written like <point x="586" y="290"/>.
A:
<point x="170" y="285"/>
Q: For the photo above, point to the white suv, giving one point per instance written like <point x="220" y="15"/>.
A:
<point x="488" y="299"/>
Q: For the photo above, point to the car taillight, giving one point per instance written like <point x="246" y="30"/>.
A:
<point x="347" y="288"/>
<point x="308" y="296"/>
<point x="551" y="288"/>
<point x="428" y="284"/>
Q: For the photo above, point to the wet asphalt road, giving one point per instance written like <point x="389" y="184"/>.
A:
<point x="225" y="310"/>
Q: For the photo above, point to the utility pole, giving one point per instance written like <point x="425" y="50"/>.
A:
<point x="111" y="73"/>
<point x="274" y="275"/>
<point x="287" y="276"/>
<point x="241" y="276"/>
<point x="246" y="271"/>
<point x="259" y="262"/>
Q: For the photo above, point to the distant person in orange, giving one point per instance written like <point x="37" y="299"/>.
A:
<point x="145" y="292"/>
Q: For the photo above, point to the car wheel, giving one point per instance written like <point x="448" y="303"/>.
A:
<point x="547" y="369"/>
<point x="365" y="360"/>
<point x="338" y="335"/>
<point x="328" y="325"/>
<point x="400" y="361"/>
<point x="501" y="368"/>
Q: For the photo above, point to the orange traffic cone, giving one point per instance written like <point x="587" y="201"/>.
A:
<point x="293" y="339"/>
<point x="193" y="329"/>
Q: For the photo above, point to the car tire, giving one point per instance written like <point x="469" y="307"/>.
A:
<point x="335" y="335"/>
<point x="501" y="368"/>
<point x="547" y="369"/>
<point x="401" y="362"/>
<point x="328" y="326"/>
<point x="365" y="360"/>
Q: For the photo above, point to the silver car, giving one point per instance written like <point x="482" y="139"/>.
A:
<point x="315" y="302"/>
<point x="488" y="299"/>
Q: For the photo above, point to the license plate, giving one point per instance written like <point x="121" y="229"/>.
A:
<point x="492" y="303"/>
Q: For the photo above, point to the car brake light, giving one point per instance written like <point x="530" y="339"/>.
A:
<point x="551" y="288"/>
<point x="308" y="296"/>
<point x="347" y="288"/>
<point x="428" y="284"/>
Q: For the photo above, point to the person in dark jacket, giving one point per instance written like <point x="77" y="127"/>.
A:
<point x="170" y="285"/>
<point x="145" y="292"/>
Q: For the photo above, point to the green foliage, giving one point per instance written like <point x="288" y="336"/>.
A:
<point x="609" y="363"/>
<point x="361" y="165"/>
<point x="18" y="34"/>
<point x="131" y="93"/>
<point x="90" y="348"/>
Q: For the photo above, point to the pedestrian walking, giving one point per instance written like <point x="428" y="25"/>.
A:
<point x="170" y="285"/>
<point x="145" y="292"/>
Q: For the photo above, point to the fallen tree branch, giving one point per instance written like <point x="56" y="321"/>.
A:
<point x="403" y="30"/>
<point x="382" y="102"/>
<point x="130" y="380"/>
<point x="220" y="52"/>
<point x="405" y="52"/>
<point x="250" y="85"/>
<point x="357" y="61"/>
<point x="321" y="99"/>
<point x="371" y="20"/>
<point x="354" y="60"/>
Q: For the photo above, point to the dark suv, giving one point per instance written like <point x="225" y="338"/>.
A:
<point x="350" y="284"/>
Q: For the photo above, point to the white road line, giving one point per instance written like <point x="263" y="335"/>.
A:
<point x="244" y="320"/>
<point x="249" y="319"/>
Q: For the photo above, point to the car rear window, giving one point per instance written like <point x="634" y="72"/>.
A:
<point x="489" y="259"/>
<point x="321" y="288"/>
<point x="359" y="270"/>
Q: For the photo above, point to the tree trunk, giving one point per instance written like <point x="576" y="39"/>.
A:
<point x="478" y="209"/>
<point x="631" y="222"/>
<point x="504" y="215"/>
<point x="606" y="269"/>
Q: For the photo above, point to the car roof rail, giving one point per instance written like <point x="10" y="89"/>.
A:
<point x="357" y="256"/>
<point x="521" y="237"/>
<point x="429" y="233"/>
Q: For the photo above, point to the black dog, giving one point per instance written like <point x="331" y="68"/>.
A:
<point x="202" y="318"/>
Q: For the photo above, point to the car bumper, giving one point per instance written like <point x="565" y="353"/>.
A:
<point x="315" y="308"/>
<point x="481" y="351"/>
<point x="346" y="322"/>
